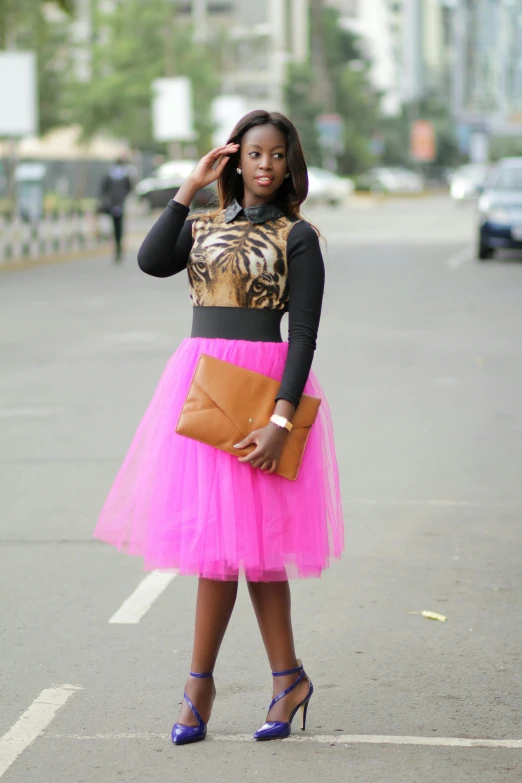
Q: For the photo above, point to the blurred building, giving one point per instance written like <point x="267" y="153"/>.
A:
<point x="488" y="73"/>
<point x="207" y="15"/>
<point x="409" y="43"/>
<point x="424" y="48"/>
<point x="466" y="53"/>
<point x="263" y="37"/>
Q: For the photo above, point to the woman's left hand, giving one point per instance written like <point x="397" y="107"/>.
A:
<point x="269" y="442"/>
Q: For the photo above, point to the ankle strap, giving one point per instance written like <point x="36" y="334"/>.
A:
<point x="297" y="670"/>
<point x="200" y="676"/>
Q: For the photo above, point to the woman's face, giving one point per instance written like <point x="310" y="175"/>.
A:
<point x="263" y="163"/>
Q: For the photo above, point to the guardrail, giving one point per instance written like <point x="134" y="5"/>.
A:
<point x="58" y="235"/>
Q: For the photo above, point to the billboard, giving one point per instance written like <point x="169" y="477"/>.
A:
<point x="172" y="110"/>
<point x="18" y="94"/>
<point x="330" y="130"/>
<point x="423" y="141"/>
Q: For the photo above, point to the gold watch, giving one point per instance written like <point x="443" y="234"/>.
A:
<point x="280" y="421"/>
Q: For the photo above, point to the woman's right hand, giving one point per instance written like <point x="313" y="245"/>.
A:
<point x="205" y="172"/>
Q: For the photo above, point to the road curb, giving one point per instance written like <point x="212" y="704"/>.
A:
<point x="365" y="195"/>
<point x="18" y="264"/>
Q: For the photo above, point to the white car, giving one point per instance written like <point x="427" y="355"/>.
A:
<point x="165" y="181"/>
<point x="467" y="181"/>
<point x="394" y="179"/>
<point x="325" y="186"/>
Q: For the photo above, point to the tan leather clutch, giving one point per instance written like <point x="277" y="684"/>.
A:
<point x="225" y="403"/>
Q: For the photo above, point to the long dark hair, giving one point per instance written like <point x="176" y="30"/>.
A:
<point x="294" y="190"/>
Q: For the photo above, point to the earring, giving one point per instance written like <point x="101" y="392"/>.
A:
<point x="287" y="175"/>
<point x="239" y="171"/>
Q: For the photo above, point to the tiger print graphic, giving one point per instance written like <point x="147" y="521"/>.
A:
<point x="239" y="264"/>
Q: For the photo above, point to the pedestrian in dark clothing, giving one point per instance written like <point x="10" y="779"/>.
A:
<point x="115" y="188"/>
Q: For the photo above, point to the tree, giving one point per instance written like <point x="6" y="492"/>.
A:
<point x="134" y="45"/>
<point x="505" y="147"/>
<point x="303" y="111"/>
<point x="31" y="25"/>
<point x="19" y="17"/>
<point x="355" y="98"/>
<point x="337" y="79"/>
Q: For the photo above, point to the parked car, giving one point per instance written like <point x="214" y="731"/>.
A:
<point x="165" y="181"/>
<point x="390" y="180"/>
<point x="500" y="209"/>
<point x="468" y="181"/>
<point x="325" y="186"/>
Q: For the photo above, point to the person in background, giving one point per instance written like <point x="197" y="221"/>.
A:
<point x="115" y="188"/>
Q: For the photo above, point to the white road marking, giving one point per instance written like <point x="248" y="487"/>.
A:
<point x="325" y="739"/>
<point x="139" y="602"/>
<point x="460" y="258"/>
<point x="31" y="724"/>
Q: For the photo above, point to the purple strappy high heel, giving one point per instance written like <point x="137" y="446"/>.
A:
<point x="279" y="729"/>
<point x="182" y="735"/>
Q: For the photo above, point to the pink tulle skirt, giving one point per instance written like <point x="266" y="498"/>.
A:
<point x="185" y="506"/>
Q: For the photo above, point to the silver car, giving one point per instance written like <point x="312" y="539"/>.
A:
<point x="326" y="187"/>
<point x="394" y="179"/>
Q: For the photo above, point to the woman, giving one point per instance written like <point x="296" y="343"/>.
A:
<point x="184" y="505"/>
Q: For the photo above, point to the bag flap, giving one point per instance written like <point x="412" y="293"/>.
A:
<point x="246" y="397"/>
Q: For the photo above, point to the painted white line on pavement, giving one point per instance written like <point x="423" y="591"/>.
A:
<point x="139" y="602"/>
<point x="460" y="258"/>
<point x="324" y="739"/>
<point x="31" y="724"/>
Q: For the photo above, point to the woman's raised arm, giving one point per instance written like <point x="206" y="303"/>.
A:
<point x="166" y="248"/>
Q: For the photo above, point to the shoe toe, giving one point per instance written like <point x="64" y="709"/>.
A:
<point x="181" y="735"/>
<point x="273" y="730"/>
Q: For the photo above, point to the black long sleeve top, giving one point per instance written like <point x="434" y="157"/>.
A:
<point x="254" y="258"/>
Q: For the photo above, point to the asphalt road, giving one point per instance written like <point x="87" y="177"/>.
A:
<point x="420" y="355"/>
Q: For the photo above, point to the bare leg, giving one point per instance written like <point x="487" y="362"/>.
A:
<point x="214" y="608"/>
<point x="272" y="605"/>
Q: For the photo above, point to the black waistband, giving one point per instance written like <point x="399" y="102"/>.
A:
<point x="237" y="323"/>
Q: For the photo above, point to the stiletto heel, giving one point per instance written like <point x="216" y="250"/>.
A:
<point x="304" y="710"/>
<point x="181" y="735"/>
<point x="280" y="729"/>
